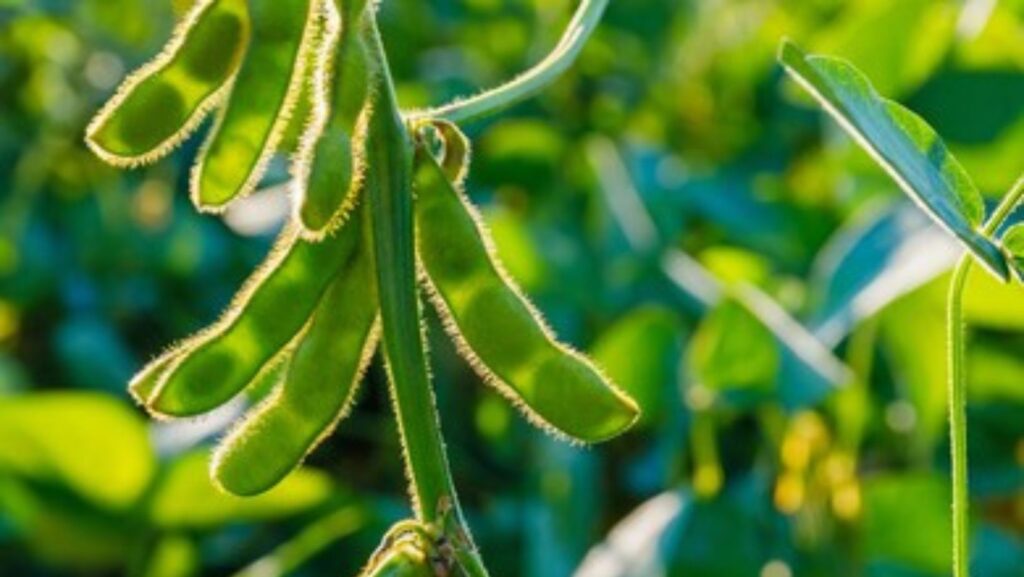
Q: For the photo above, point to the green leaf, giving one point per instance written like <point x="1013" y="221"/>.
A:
<point x="91" y="443"/>
<point x="1013" y="242"/>
<point x="185" y="498"/>
<point x="62" y="530"/>
<point x="172" y="556"/>
<point x="906" y="521"/>
<point x="641" y="353"/>
<point x="732" y="350"/>
<point x="903" y="144"/>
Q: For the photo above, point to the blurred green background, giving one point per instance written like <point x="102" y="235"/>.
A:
<point x="674" y="207"/>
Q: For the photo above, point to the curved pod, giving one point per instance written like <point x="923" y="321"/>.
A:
<point x="159" y="105"/>
<point x="497" y="330"/>
<point x="318" y="386"/>
<point x="258" y="109"/>
<point x="266" y="315"/>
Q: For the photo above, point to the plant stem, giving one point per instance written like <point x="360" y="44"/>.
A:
<point x="389" y="183"/>
<point x="958" y="388"/>
<point x="958" y="416"/>
<point x="583" y="23"/>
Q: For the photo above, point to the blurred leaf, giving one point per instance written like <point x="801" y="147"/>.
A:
<point x="992" y="304"/>
<point x="286" y="558"/>
<point x="61" y="529"/>
<point x="90" y="442"/>
<point x="995" y="374"/>
<point x="907" y="521"/>
<point x="918" y="360"/>
<point x="641" y="544"/>
<point x="896" y="44"/>
<point x="174" y="555"/>
<point x="516" y="249"/>
<point x="881" y="255"/>
<point x="731" y="351"/>
<point x="188" y="481"/>
<point x="723" y="537"/>
<point x="640" y="353"/>
<point x="1013" y="241"/>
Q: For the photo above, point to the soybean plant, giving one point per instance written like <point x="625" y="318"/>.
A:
<point x="380" y="215"/>
<point x="915" y="157"/>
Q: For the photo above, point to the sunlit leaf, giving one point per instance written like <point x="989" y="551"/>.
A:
<point x="92" y="443"/>
<point x="186" y="498"/>
<point x="903" y="144"/>
<point x="733" y="351"/>
<point x="1013" y="241"/>
<point x="641" y="353"/>
<point x="907" y="521"/>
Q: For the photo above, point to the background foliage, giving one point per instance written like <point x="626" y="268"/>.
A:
<point x="665" y="204"/>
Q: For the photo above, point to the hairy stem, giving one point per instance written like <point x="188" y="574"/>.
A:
<point x="958" y="386"/>
<point x="958" y="416"/>
<point x="583" y="23"/>
<point x="389" y="183"/>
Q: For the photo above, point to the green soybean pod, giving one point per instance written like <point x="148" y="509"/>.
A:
<point x="159" y="105"/>
<point x="498" y="331"/>
<point x="146" y="380"/>
<point x="331" y="161"/>
<point x="270" y="310"/>
<point x="257" y="111"/>
<point x="318" y="387"/>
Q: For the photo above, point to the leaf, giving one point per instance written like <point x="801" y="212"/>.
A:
<point x="640" y="353"/>
<point x="62" y="530"/>
<point x="876" y="259"/>
<point x="906" y="520"/>
<point x="1013" y="242"/>
<point x="733" y="351"/>
<point x="89" y="442"/>
<point x="903" y="144"/>
<point x="641" y="544"/>
<point x="185" y="498"/>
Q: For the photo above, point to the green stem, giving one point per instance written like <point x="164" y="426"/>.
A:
<point x="958" y="416"/>
<point x="389" y="183"/>
<point x="583" y="23"/>
<point x="957" y="386"/>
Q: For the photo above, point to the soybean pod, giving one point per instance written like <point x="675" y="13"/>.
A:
<point x="266" y="315"/>
<point x="331" y="161"/>
<point x="257" y="112"/>
<point x="159" y="105"/>
<point x="318" y="386"/>
<point x="498" y="331"/>
<point x="146" y="380"/>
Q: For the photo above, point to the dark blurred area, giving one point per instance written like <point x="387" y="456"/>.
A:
<point x="672" y="205"/>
